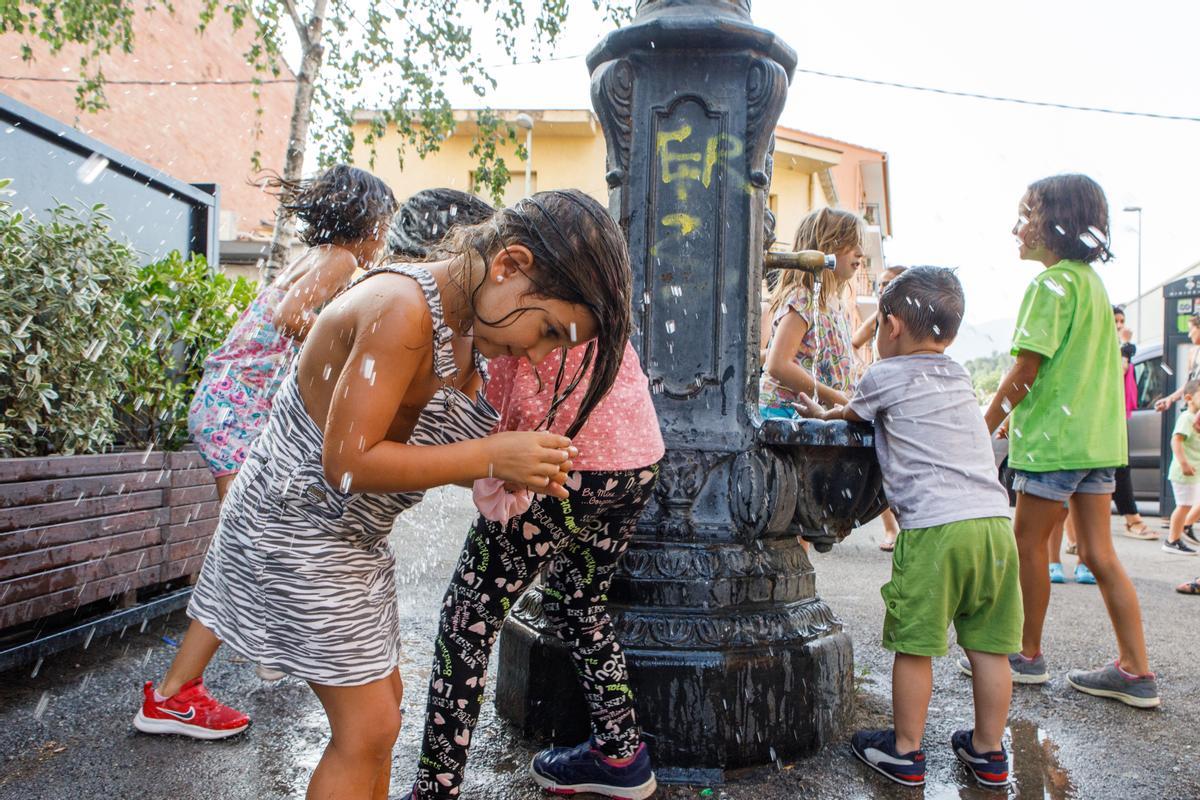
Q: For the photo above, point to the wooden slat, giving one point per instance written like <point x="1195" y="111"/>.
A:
<point x="67" y="599"/>
<point x="27" y="539"/>
<point x="195" y="511"/>
<point x="77" y="575"/>
<point x="177" y="569"/>
<point x="27" y="493"/>
<point x="191" y="494"/>
<point x="51" y="513"/>
<point x="182" y="551"/>
<point x="179" y="533"/>
<point x="191" y="477"/>
<point x="186" y="459"/>
<point x="41" y="468"/>
<point x="50" y="558"/>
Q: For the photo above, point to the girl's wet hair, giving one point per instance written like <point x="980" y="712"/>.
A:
<point x="579" y="256"/>
<point x="342" y="203"/>
<point x="830" y="230"/>
<point x="425" y="218"/>
<point x="1068" y="215"/>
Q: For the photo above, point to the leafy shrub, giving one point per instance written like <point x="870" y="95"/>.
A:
<point x="179" y="311"/>
<point x="64" y="343"/>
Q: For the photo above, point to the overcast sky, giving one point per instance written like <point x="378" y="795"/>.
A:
<point x="958" y="165"/>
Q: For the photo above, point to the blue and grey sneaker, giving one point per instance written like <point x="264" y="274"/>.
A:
<point x="990" y="769"/>
<point x="567" y="770"/>
<point x="1083" y="574"/>
<point x="1056" y="573"/>
<point x="1139" y="691"/>
<point x="877" y="749"/>
<point x="1024" y="670"/>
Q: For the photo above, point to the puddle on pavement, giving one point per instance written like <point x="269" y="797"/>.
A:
<point x="1035" y="770"/>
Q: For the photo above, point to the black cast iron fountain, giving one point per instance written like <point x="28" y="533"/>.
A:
<point x="735" y="660"/>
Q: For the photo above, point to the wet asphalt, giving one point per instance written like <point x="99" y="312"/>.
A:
<point x="66" y="733"/>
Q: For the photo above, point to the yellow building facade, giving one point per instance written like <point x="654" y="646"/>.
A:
<point x="568" y="151"/>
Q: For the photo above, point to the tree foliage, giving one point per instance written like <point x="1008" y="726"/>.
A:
<point x="986" y="372"/>
<point x="392" y="56"/>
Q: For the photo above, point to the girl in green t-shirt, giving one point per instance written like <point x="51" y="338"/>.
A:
<point x="1068" y="427"/>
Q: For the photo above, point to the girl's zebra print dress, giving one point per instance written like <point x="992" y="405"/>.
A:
<point x="299" y="576"/>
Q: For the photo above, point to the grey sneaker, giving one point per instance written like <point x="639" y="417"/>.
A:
<point x="1109" y="681"/>
<point x="1024" y="670"/>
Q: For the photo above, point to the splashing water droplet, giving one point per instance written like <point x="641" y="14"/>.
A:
<point x="91" y="168"/>
<point x="325" y="372"/>
<point x="1055" y="287"/>
<point x="1066" y="410"/>
<point x="43" y="701"/>
<point x="1006" y="406"/>
<point x="368" y="368"/>
<point x="1060" y="230"/>
<point x="670" y="326"/>
<point x="347" y="477"/>
<point x="1167" y="369"/>
<point x="574" y="333"/>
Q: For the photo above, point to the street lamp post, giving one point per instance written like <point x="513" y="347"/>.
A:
<point x="525" y="121"/>
<point x="1138" y="209"/>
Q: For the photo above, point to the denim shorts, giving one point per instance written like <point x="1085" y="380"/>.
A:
<point x="1060" y="485"/>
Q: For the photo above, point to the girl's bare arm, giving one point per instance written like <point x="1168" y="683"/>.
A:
<point x="392" y="342"/>
<point x="781" y="363"/>
<point x="1013" y="388"/>
<point x="865" y="332"/>
<point x="297" y="311"/>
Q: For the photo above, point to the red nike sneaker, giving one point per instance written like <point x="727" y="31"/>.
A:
<point x="191" y="712"/>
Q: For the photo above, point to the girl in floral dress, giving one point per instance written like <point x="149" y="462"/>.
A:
<point x="346" y="212"/>
<point x="810" y="349"/>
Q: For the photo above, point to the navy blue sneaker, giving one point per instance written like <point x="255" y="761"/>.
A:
<point x="877" y="749"/>
<point x="990" y="769"/>
<point x="567" y="770"/>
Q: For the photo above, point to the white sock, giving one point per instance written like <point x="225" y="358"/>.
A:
<point x="158" y="698"/>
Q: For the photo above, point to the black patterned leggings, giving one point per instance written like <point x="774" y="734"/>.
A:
<point x="576" y="544"/>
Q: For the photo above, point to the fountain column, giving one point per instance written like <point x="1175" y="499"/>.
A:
<point x="734" y="659"/>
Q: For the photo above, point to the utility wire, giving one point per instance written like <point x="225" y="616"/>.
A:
<point x="817" y="73"/>
<point x="999" y="98"/>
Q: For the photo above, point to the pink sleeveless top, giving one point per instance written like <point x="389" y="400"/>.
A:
<point x="621" y="433"/>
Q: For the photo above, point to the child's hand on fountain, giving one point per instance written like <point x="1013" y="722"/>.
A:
<point x="808" y="407"/>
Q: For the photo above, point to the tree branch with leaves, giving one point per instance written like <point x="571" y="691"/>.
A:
<point x="393" y="56"/>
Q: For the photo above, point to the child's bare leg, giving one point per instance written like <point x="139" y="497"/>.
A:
<point x="1090" y="512"/>
<point x="912" y="686"/>
<point x="1193" y="514"/>
<point x="365" y="721"/>
<point x="1033" y="522"/>
<point x="1178" y="520"/>
<point x="1054" y="552"/>
<point x="223" y="484"/>
<point x="198" y="647"/>
<point x="991" y="682"/>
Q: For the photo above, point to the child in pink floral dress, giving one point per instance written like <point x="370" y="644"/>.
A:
<point x="810" y="349"/>
<point x="346" y="212"/>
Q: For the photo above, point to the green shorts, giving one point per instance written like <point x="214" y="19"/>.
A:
<point x="964" y="573"/>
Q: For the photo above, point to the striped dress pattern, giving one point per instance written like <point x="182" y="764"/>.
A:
<point x="300" y="576"/>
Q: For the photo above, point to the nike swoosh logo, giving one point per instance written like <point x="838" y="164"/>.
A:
<point x="184" y="716"/>
<point x="880" y="757"/>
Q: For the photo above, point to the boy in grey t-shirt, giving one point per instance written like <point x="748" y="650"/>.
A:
<point x="955" y="558"/>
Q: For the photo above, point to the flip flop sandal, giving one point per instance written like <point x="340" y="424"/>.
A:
<point x="1140" y="531"/>
<point x="1191" y="587"/>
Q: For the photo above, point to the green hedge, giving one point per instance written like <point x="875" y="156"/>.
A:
<point x="95" y="350"/>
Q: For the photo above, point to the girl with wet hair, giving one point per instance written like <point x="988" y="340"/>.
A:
<point x="573" y="544"/>
<point x="1065" y="397"/>
<point x="810" y="349"/>
<point x="383" y="403"/>
<point x="426" y="217"/>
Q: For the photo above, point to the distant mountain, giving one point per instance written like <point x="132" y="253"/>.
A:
<point x="976" y="341"/>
